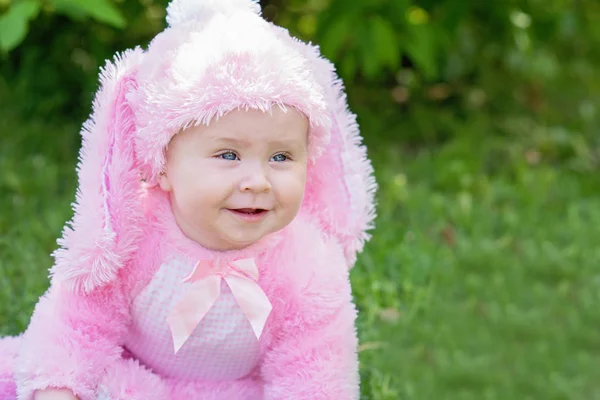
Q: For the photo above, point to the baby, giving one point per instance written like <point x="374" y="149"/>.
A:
<point x="223" y="197"/>
<point x="253" y="173"/>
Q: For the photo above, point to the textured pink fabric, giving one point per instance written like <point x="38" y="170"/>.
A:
<point x="204" y="288"/>
<point x="222" y="347"/>
<point x="307" y="350"/>
<point x="9" y="348"/>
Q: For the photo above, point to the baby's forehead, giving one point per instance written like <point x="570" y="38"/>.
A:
<point x="255" y="126"/>
<point x="247" y="139"/>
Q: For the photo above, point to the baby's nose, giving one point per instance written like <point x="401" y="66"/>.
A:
<point x="255" y="180"/>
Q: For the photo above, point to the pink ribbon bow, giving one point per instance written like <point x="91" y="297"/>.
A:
<point x="241" y="277"/>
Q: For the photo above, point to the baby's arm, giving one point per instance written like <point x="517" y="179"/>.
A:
<point x="71" y="340"/>
<point x="125" y="379"/>
<point x="54" y="394"/>
<point x="316" y="357"/>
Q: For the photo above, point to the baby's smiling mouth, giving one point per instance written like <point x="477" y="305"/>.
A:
<point x="249" y="210"/>
<point x="249" y="214"/>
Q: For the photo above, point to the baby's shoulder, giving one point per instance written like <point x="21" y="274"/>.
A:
<point x="308" y="255"/>
<point x="309" y="280"/>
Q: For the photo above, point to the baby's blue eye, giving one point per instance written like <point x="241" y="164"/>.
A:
<point x="230" y="156"/>
<point x="279" y="157"/>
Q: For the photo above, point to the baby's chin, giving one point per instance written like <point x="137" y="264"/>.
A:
<point x="247" y="239"/>
<point x="240" y="243"/>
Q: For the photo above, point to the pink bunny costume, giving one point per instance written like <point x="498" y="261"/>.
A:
<point x="103" y="328"/>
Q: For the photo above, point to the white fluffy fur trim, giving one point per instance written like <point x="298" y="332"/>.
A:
<point x="183" y="11"/>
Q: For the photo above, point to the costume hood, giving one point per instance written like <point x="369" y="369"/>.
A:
<point x="215" y="56"/>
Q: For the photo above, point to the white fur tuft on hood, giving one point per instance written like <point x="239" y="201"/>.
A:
<point x="184" y="11"/>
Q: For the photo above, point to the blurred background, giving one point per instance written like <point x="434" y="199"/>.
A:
<point x="482" y="119"/>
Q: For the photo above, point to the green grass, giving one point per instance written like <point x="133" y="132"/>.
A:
<point x="482" y="280"/>
<point x="494" y="276"/>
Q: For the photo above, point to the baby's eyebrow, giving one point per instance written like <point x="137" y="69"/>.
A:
<point x="286" y="143"/>
<point x="248" y="143"/>
<point x="233" y="141"/>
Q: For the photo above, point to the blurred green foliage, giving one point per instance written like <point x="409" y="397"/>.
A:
<point x="423" y="67"/>
<point x="14" y="23"/>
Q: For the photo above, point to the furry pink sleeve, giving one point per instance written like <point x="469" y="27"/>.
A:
<point x="71" y="340"/>
<point x="315" y="356"/>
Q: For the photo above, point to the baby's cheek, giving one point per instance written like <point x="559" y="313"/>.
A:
<point x="216" y="180"/>
<point x="291" y="198"/>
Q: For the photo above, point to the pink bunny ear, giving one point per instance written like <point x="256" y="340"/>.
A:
<point x="341" y="186"/>
<point x="102" y="234"/>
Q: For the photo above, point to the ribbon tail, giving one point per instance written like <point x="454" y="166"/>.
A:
<point x="248" y="266"/>
<point x="190" y="310"/>
<point x="253" y="302"/>
<point x="199" y="272"/>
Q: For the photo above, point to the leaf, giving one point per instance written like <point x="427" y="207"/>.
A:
<point x="454" y="11"/>
<point x="307" y="25"/>
<point x="348" y="67"/>
<point x="421" y="48"/>
<point x="342" y="8"/>
<point x="385" y="42"/>
<point x="334" y="37"/>
<point x="397" y="9"/>
<point x="14" y="23"/>
<point x="70" y="9"/>
<point x="370" y="61"/>
<point x="100" y="10"/>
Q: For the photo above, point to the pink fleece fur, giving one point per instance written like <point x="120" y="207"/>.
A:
<point x="9" y="348"/>
<point x="104" y="229"/>
<point x="309" y="344"/>
<point x="123" y="225"/>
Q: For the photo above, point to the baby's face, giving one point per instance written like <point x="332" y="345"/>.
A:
<point x="239" y="178"/>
